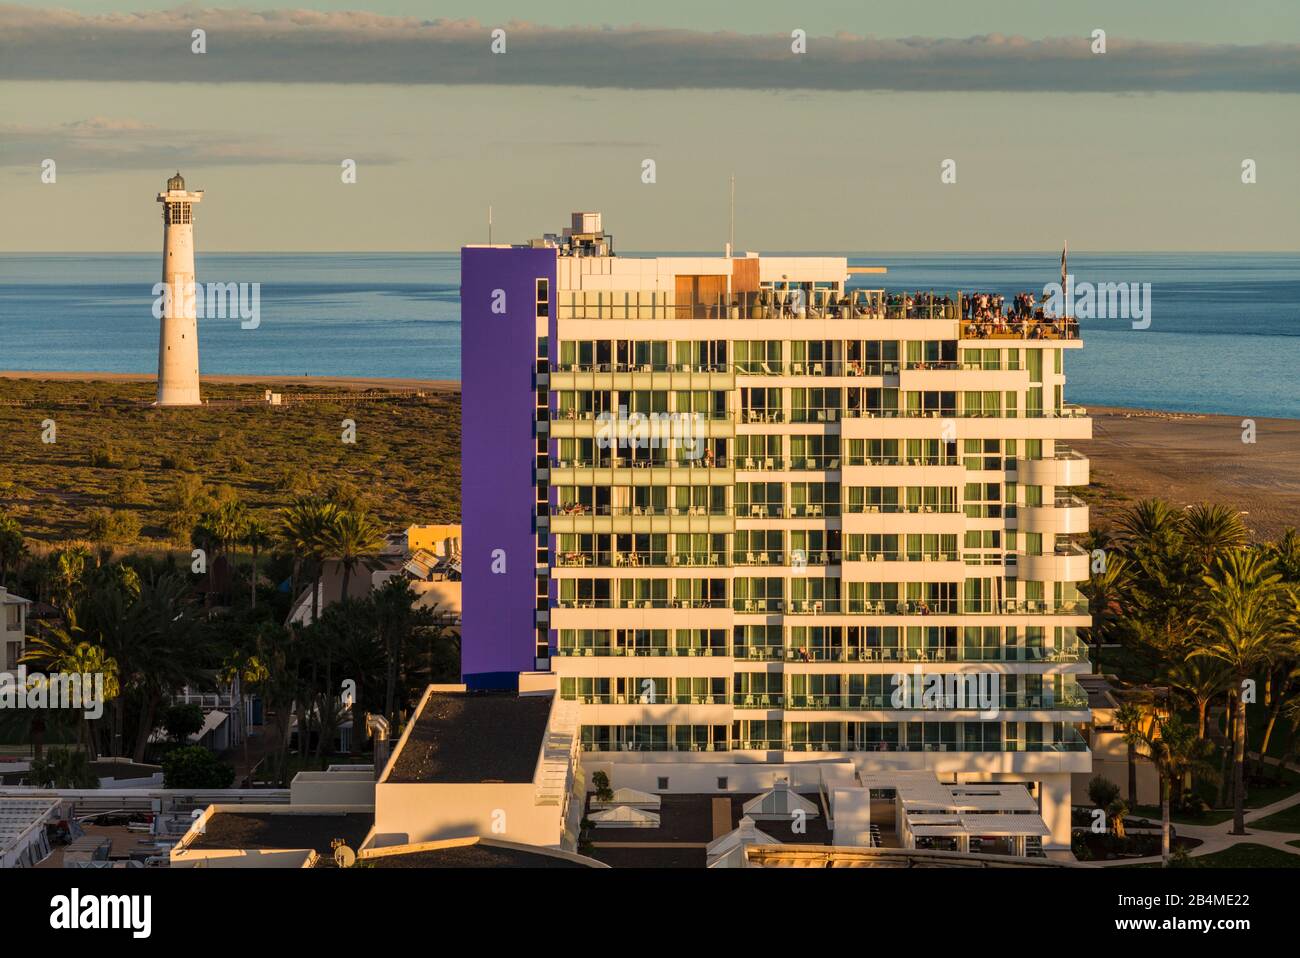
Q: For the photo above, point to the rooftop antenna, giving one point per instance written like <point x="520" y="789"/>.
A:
<point x="731" y="235"/>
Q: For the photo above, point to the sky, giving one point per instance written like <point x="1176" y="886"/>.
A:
<point x="839" y="148"/>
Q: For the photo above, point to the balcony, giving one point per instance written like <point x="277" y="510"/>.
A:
<point x="644" y="651"/>
<point x="1066" y="468"/>
<point x="1051" y="329"/>
<point x="762" y="304"/>
<point x="1076" y="652"/>
<point x="1066" y="515"/>
<point x="758" y="700"/>
<point x="825" y="368"/>
<point x="823" y="607"/>
<point x="1073" y="744"/>
<point x="586" y="509"/>
<point x="1067" y="563"/>
<point x="1072" y="700"/>
<point x="629" y="376"/>
<point x="666" y="698"/>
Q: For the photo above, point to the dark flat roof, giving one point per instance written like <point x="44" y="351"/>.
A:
<point x="474" y="737"/>
<point x="265" y="830"/>
<point x="649" y="857"/>
<point x="473" y="856"/>
<point x="687" y="819"/>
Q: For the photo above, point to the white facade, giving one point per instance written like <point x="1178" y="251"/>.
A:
<point x="178" y="336"/>
<point x="884" y="490"/>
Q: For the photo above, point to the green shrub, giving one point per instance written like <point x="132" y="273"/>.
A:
<point x="195" y="767"/>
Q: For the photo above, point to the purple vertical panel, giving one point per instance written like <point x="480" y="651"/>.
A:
<point x="498" y="491"/>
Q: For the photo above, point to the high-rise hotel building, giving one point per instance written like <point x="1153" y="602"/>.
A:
<point x="839" y="524"/>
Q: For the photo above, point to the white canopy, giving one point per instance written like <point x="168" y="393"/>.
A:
<point x="779" y="803"/>
<point x="624" y="816"/>
<point x="630" y="796"/>
<point x="746" y="834"/>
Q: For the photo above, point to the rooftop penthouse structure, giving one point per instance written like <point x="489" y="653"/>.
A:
<point x="752" y="511"/>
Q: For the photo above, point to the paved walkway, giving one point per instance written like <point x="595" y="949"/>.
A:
<point x="1216" y="838"/>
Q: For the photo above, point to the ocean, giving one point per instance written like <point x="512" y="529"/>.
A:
<point x="1224" y="335"/>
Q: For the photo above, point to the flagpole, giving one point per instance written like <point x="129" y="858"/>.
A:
<point x="1065" y="307"/>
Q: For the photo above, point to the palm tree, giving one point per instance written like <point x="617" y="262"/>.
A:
<point x="228" y="522"/>
<point x="1132" y="717"/>
<point x="351" y="539"/>
<point x="400" y="625"/>
<point x="1107" y="592"/>
<point x="1177" y="751"/>
<point x="303" y="528"/>
<point x="65" y="651"/>
<point x="249" y="672"/>
<point x="1148" y="521"/>
<point x="1238" y="622"/>
<point x="1285" y="554"/>
<point x="12" y="546"/>
<point x="1200" y="679"/>
<point x="1210" y="531"/>
<point x="69" y="570"/>
<point x="257" y="537"/>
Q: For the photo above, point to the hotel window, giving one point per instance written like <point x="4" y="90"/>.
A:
<point x="1035" y="357"/>
<point x="543" y="298"/>
<point x="814" y="499"/>
<point x="932" y="452"/>
<point x="12" y="617"/>
<point x="758" y="357"/>
<point x="814" y="405"/>
<point x="983" y="500"/>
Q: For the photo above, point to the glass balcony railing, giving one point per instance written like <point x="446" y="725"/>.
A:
<point x="758" y="700"/>
<point x="1074" y="744"/>
<point x="645" y="651"/>
<point x="586" y="509"/>
<point x="667" y="698"/>
<point x="653" y="367"/>
<point x="1020" y="701"/>
<point x="952" y="653"/>
<point x="814" y="607"/>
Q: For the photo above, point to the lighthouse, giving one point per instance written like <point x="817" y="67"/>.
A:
<point x="178" y="336"/>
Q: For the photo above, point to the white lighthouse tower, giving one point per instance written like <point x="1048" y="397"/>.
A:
<point x="178" y="338"/>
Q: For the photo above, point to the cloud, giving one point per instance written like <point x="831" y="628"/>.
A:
<point x="107" y="143"/>
<point x="286" y="46"/>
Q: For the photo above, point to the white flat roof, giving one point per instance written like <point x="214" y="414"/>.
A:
<point x="1004" y="825"/>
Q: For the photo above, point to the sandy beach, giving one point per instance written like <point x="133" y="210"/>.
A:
<point x="1195" y="457"/>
